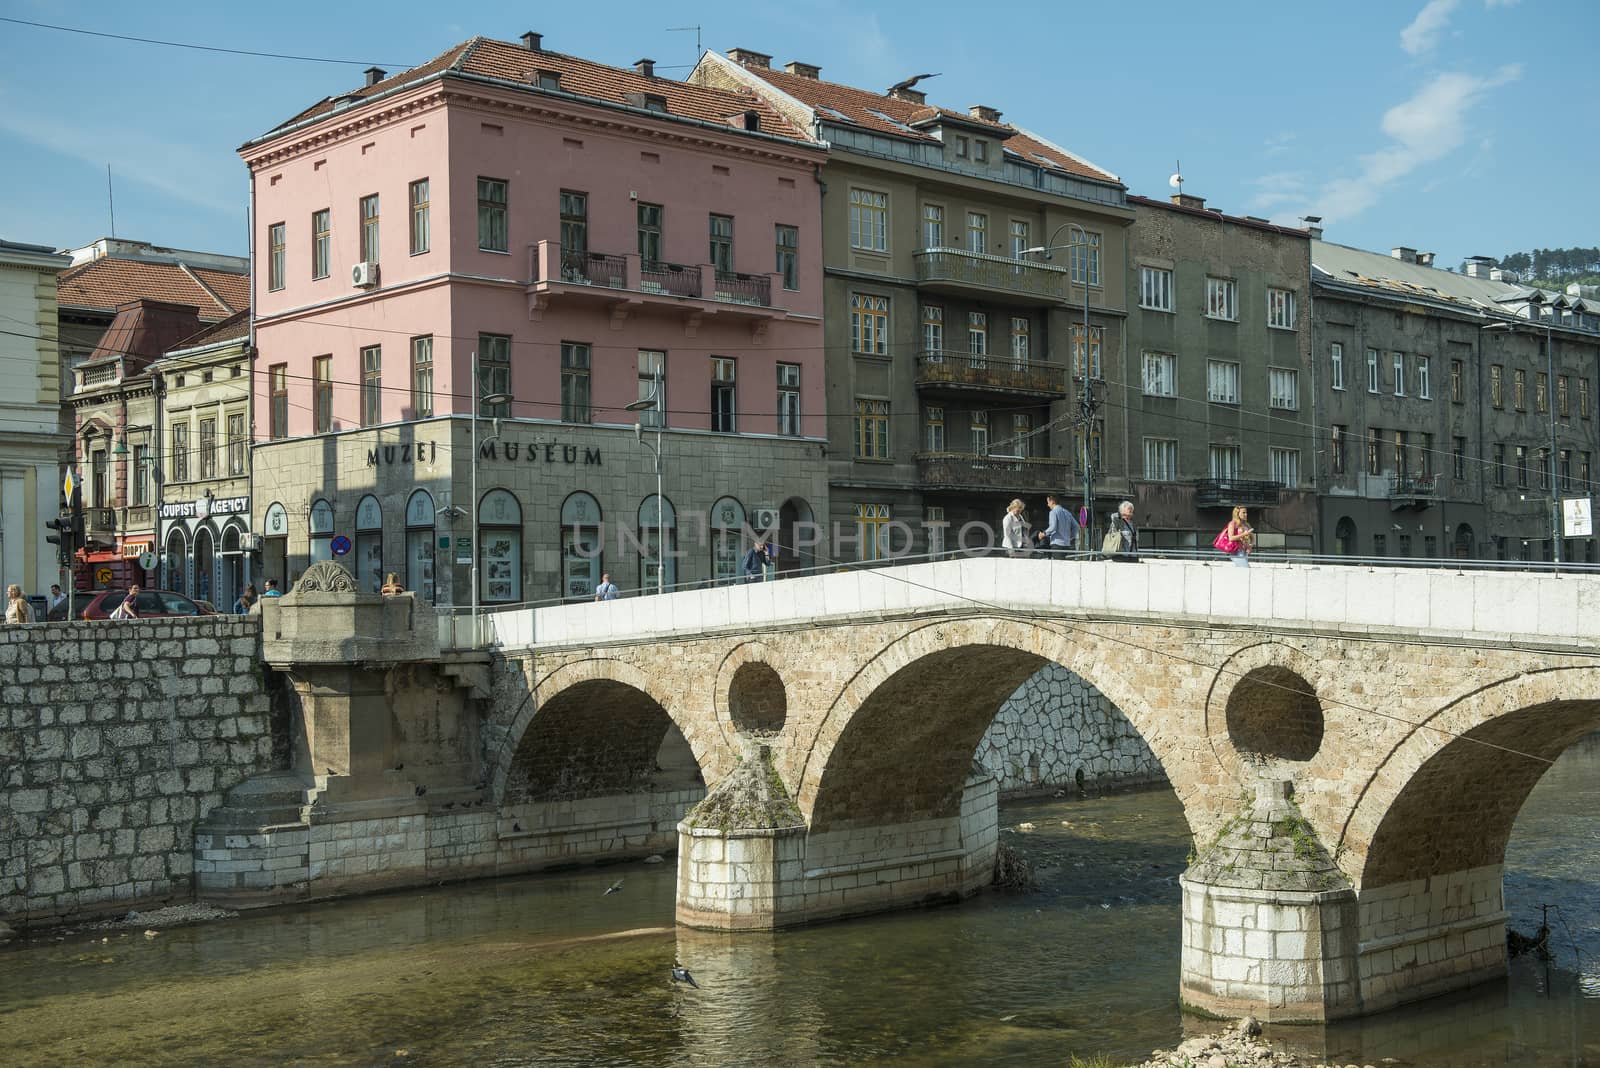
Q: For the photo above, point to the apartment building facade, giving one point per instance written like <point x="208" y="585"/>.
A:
<point x="567" y="250"/>
<point x="958" y="250"/>
<point x="1220" y="401"/>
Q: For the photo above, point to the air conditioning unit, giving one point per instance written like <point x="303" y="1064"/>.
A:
<point x="364" y="275"/>
<point x="763" y="520"/>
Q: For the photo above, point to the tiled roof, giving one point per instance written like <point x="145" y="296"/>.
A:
<point x="107" y="283"/>
<point x="235" y="327"/>
<point x="144" y="329"/>
<point x="885" y="114"/>
<point x="580" y="77"/>
<point x="1340" y="264"/>
<point x="1216" y="215"/>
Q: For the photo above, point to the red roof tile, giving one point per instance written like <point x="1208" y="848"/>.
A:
<point x="107" y="283"/>
<point x="235" y="327"/>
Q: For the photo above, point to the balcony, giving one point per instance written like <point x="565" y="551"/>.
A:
<point x="1234" y="492"/>
<point x="945" y="371"/>
<point x="136" y="517"/>
<point x="621" y="284"/>
<point x="977" y="274"/>
<point x="100" y="524"/>
<point x="1413" y="491"/>
<point x="994" y="474"/>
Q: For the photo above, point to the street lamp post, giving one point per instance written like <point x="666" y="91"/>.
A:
<point x="1086" y="403"/>
<point x="478" y="399"/>
<point x="1550" y="459"/>
<point x="648" y="404"/>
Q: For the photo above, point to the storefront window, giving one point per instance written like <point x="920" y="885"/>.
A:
<point x="500" y="552"/>
<point x="369" y="544"/>
<point x="230" y="575"/>
<point x="419" y="544"/>
<point x="650" y="560"/>
<point x="275" y="555"/>
<point x="727" y="522"/>
<point x="321" y="531"/>
<point x="175" y="572"/>
<point x="581" y="545"/>
<point x="204" y="564"/>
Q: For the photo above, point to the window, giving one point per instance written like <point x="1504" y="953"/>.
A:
<point x="208" y="448"/>
<point x="421" y="230"/>
<point x="238" y="444"/>
<point x="933" y="520"/>
<point x="1458" y="458"/>
<point x="321" y="242"/>
<point x="1223" y="461"/>
<point x="1425" y="455"/>
<point x="1020" y="341"/>
<point x="722" y="243"/>
<point x="1096" y="345"/>
<point x="869" y="324"/>
<point x="977" y="337"/>
<point x="728" y="520"/>
<point x="494" y="374"/>
<point x="100" y="496"/>
<point x="574" y="382"/>
<point x="141" y="473"/>
<point x="419" y="544"/>
<point x="1283" y="386"/>
<point x="1565" y="456"/>
<point x="1399" y="444"/>
<point x="1085" y="260"/>
<point x="1562" y="408"/>
<point x="932" y="226"/>
<point x="650" y="246"/>
<point x="978" y="433"/>
<point x="1542" y="458"/>
<point x="1160" y="374"/>
<point x="574" y="223"/>
<point x="1021" y="443"/>
<point x="1497" y="393"/>
<point x="1336" y="365"/>
<point x="1522" y="467"/>
<point x="1222" y="299"/>
<point x="422" y="377"/>
<point x="869" y="220"/>
<point x="1160" y="459"/>
<point x="500" y="548"/>
<point x="1499" y="466"/>
<point x="653" y="386"/>
<point x="1380" y="545"/>
<point x="275" y="256"/>
<point x="872" y="531"/>
<point x="1583" y="473"/>
<point x="1336" y="446"/>
<point x="493" y="235"/>
<point x="1155" y="288"/>
<point x="980" y="150"/>
<point x="1373" y="381"/>
<point x="933" y="429"/>
<point x="1405" y="545"/>
<point x="369" y="228"/>
<point x="1222" y="382"/>
<point x="933" y="331"/>
<point x="977" y="232"/>
<point x="1284" y="466"/>
<point x="278" y="415"/>
<point x="1280" y="309"/>
<point x="1019" y="238"/>
<point x="724" y="388"/>
<point x="1424" y="385"/>
<point x="1541" y="392"/>
<point x="789" y="399"/>
<point x="1095" y="446"/>
<point x="1458" y="385"/>
<point x="961" y="147"/>
<point x="1519" y="390"/>
<point x="1374" y="463"/>
<point x="1399" y="374"/>
<point x="872" y="429"/>
<point x="368" y="555"/>
<point x="1583" y="397"/>
<point x="787" y="239"/>
<point x="371" y="385"/>
<point x="321" y="394"/>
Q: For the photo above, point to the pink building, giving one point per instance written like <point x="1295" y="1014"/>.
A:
<point x="572" y="237"/>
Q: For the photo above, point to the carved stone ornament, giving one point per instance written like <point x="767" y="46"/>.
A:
<point x="325" y="576"/>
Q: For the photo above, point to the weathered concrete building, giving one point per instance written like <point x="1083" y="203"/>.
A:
<point x="1219" y="343"/>
<point x="958" y="250"/>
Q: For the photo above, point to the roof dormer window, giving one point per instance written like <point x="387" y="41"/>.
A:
<point x="648" y="101"/>
<point x="547" y="79"/>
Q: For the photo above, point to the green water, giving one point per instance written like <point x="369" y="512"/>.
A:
<point x="546" y="970"/>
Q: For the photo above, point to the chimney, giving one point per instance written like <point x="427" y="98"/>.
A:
<point x="1403" y="254"/>
<point x="803" y="70"/>
<point x="1188" y="200"/>
<point x="746" y="57"/>
<point x="646" y="67"/>
<point x="1424" y="259"/>
<point x="1479" y="266"/>
<point x="533" y="42"/>
<point x="910" y="96"/>
<point x="984" y="113"/>
<point x="1498" y="274"/>
<point x="375" y="75"/>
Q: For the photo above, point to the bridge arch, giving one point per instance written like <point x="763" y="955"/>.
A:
<point x="897" y="743"/>
<point x="1445" y="797"/>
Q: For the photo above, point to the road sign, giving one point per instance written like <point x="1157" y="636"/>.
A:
<point x="102" y="576"/>
<point x="147" y="560"/>
<point x="340" y="545"/>
<point x="67" y="483"/>
<point x="1579" y="522"/>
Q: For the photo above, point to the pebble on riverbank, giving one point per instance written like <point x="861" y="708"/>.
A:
<point x="171" y="916"/>
<point x="1238" y="1048"/>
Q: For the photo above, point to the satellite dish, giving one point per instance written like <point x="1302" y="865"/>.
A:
<point x="1176" y="181"/>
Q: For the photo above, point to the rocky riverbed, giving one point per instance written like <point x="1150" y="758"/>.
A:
<point x="1241" y="1047"/>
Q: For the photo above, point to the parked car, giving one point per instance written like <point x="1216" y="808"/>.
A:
<point x="72" y="606"/>
<point x="150" y="604"/>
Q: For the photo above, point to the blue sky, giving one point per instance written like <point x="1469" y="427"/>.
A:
<point x="1459" y="126"/>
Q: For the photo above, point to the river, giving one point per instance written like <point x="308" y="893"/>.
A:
<point x="549" y="970"/>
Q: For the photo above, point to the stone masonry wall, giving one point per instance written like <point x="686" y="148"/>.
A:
<point x="1057" y="725"/>
<point x="115" y="739"/>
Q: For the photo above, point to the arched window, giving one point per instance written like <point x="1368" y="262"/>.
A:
<point x="230" y="573"/>
<point x="1344" y="537"/>
<point x="419" y="544"/>
<point x="275" y="552"/>
<point x="582" y="542"/>
<point x="500" y="555"/>
<point x="321" y="530"/>
<point x="653" y="521"/>
<point x="1464" y="541"/>
<point x="369" y="544"/>
<point x="176" y="567"/>
<point x="727" y="523"/>
<point x="205" y="559"/>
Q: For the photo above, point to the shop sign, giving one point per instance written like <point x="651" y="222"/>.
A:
<point x="277" y="522"/>
<point x="204" y="507"/>
<point x="131" y="550"/>
<point x="532" y="452"/>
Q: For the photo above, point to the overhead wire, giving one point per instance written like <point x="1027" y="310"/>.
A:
<point x="197" y="47"/>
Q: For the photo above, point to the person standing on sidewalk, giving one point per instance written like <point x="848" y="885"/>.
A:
<point x="18" y="610"/>
<point x="607" y="590"/>
<point x="1060" y="536"/>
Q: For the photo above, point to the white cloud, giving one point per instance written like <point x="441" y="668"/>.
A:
<point x="1423" y="32"/>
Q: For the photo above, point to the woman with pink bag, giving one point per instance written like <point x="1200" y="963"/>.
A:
<point x="1237" y="538"/>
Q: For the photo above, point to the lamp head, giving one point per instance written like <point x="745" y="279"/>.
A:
<point x="638" y="432"/>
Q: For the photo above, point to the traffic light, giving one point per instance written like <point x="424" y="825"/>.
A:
<point x="62" y="539"/>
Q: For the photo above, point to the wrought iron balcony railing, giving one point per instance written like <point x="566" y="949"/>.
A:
<point x="1002" y="474"/>
<point x="675" y="278"/>
<point x="946" y="369"/>
<point x="1001" y="274"/>
<point x="744" y="288"/>
<point x="1232" y="492"/>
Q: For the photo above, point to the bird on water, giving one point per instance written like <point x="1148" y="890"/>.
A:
<point x="614" y="888"/>
<point x="680" y="974"/>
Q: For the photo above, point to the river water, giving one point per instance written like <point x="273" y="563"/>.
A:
<point x="548" y="970"/>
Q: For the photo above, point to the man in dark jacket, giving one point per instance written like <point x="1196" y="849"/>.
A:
<point x="756" y="560"/>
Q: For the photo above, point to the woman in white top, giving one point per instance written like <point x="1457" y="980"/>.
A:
<point x="1014" y="530"/>
<point x="17" y="608"/>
